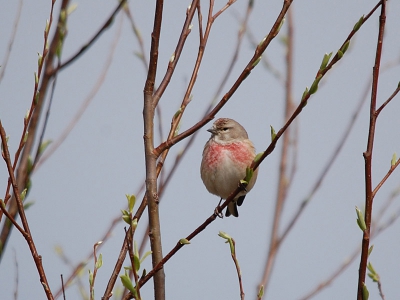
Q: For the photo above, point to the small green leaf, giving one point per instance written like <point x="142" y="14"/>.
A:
<point x="394" y="159"/>
<point x="36" y="78"/>
<point x="30" y="164"/>
<point x="273" y="134"/>
<point x="23" y="194"/>
<point x="244" y="182"/>
<point x="44" y="146"/>
<point x="314" y="86"/>
<point x="249" y="174"/>
<point x="184" y="241"/>
<point x="27" y="205"/>
<point x="360" y="219"/>
<point x="371" y="268"/>
<point x="261" y="292"/>
<point x="40" y="59"/>
<point x="224" y="235"/>
<point x="357" y="26"/>
<point x="178" y="112"/>
<point x="262" y="41"/>
<point x="340" y="54"/>
<point x="258" y="156"/>
<point x="144" y="273"/>
<point x="305" y="93"/>
<point x="99" y="262"/>
<point x="134" y="223"/>
<point x="71" y="8"/>
<point x="46" y="29"/>
<point x="36" y="97"/>
<point x="25" y="137"/>
<point x="325" y="61"/>
<point x="365" y="292"/>
<point x="145" y="255"/>
<point x="90" y="278"/>
<point x="231" y="246"/>
<point x="127" y="219"/>
<point x="27" y="115"/>
<point x="345" y="47"/>
<point x="63" y="15"/>
<point x="280" y="25"/>
<point x="136" y="262"/>
<point x="255" y="63"/>
<point x="127" y="283"/>
<point x="131" y="201"/>
<point x="370" y="250"/>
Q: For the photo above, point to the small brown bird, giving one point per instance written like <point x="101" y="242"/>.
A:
<point x="226" y="156"/>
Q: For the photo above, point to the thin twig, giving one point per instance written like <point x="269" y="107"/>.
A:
<point x="28" y="237"/>
<point x="283" y="181"/>
<point x="85" y="47"/>
<point x="31" y="120"/>
<point x="11" y="41"/>
<point x="86" y="102"/>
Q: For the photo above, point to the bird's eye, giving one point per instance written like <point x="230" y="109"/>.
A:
<point x="225" y="129"/>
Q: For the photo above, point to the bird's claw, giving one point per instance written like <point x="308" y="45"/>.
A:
<point x="218" y="213"/>
<point x="243" y="186"/>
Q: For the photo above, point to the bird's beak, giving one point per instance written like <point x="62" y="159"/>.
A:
<point x="212" y="130"/>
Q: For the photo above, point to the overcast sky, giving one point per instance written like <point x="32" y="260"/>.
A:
<point x="81" y="188"/>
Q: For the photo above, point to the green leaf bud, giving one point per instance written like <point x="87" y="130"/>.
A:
<point x="358" y="24"/>
<point x="370" y="250"/>
<point x="365" y="292"/>
<point x="224" y="235"/>
<point x="99" y="261"/>
<point x="184" y="241"/>
<point x="255" y="63"/>
<point x="273" y="134"/>
<point x="23" y="194"/>
<point x="394" y="159"/>
<point x="360" y="219"/>
<point x="345" y="47"/>
<point x="258" y="156"/>
<point x="136" y="262"/>
<point x="325" y="61"/>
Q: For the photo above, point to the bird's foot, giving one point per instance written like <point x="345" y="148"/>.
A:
<point x="243" y="185"/>
<point x="218" y="213"/>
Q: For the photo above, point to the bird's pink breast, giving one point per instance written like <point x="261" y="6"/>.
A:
<point x="238" y="152"/>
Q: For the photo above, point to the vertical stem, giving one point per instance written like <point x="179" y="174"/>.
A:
<point x="283" y="178"/>
<point x="369" y="197"/>
<point x="150" y="157"/>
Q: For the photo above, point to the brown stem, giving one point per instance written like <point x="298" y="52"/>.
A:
<point x="369" y="196"/>
<point x="150" y="158"/>
<point x="28" y="236"/>
<point x="283" y="182"/>
<point x="239" y="273"/>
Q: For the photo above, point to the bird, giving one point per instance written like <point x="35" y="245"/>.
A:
<point x="226" y="156"/>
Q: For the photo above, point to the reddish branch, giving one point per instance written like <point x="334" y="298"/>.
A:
<point x="369" y="195"/>
<point x="27" y="233"/>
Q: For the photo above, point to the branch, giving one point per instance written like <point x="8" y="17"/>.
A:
<point x="28" y="237"/>
<point x="246" y="72"/>
<point x="369" y="196"/>
<point x="150" y="158"/>
<point x="92" y="40"/>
